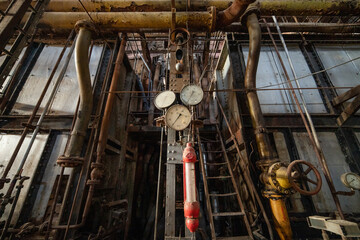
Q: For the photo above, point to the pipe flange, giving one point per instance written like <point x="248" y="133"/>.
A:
<point x="273" y="181"/>
<point x="212" y="11"/>
<point x="87" y="25"/>
<point x="273" y="195"/>
<point x="64" y="161"/>
<point x="93" y="182"/>
<point x="252" y="8"/>
<point x="260" y="130"/>
<point x="97" y="165"/>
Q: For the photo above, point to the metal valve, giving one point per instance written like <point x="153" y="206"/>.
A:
<point x="287" y="179"/>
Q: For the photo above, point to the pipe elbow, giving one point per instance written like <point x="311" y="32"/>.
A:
<point x="232" y="13"/>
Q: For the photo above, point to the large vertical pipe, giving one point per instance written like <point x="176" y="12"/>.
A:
<point x="78" y="133"/>
<point x="267" y="154"/>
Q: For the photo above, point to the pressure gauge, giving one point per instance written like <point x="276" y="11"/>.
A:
<point x="178" y="117"/>
<point x="191" y="95"/>
<point x="351" y="180"/>
<point x="164" y="99"/>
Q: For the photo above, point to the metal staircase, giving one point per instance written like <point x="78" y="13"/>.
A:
<point x="222" y="165"/>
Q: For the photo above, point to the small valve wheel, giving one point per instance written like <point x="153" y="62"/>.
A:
<point x="296" y="177"/>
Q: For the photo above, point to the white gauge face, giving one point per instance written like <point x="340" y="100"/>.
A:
<point x="164" y="99"/>
<point x="191" y="95"/>
<point x="178" y="117"/>
<point x="351" y="180"/>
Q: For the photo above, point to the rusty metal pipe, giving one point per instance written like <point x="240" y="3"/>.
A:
<point x="262" y="138"/>
<point x="129" y="21"/>
<point x="232" y="13"/>
<point x="86" y="99"/>
<point x="267" y="153"/>
<point x="267" y="7"/>
<point x="104" y="131"/>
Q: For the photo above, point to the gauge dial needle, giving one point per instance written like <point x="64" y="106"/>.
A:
<point x="352" y="181"/>
<point x="176" y="120"/>
<point x="192" y="92"/>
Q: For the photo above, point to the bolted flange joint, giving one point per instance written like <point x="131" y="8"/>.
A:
<point x="64" y="161"/>
<point x="87" y="25"/>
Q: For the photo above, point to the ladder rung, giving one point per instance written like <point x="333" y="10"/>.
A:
<point x="222" y="194"/>
<point x="218" y="177"/>
<point x="216" y="164"/>
<point x="212" y="151"/>
<point x="225" y="214"/>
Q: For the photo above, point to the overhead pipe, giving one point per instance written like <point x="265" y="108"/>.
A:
<point x="232" y="13"/>
<point x="267" y="7"/>
<point x="266" y="152"/>
<point x="71" y="157"/>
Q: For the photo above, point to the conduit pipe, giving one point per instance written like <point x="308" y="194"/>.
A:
<point x="72" y="153"/>
<point x="267" y="154"/>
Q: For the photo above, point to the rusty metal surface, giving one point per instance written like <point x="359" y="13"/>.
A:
<point x="58" y="22"/>
<point x="267" y="7"/>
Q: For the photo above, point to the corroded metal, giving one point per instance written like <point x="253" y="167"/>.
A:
<point x="267" y="7"/>
<point x="128" y="21"/>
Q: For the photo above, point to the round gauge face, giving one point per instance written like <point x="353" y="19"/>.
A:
<point x="164" y="99"/>
<point x="351" y="180"/>
<point x="191" y="95"/>
<point x="178" y="117"/>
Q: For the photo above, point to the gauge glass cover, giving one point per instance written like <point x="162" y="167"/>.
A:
<point x="178" y="117"/>
<point x="164" y="99"/>
<point x="191" y="95"/>
<point x="351" y="180"/>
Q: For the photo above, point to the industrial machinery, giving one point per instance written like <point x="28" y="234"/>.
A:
<point x="179" y="119"/>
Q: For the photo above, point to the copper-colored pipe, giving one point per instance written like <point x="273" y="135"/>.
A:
<point x="104" y="131"/>
<point x="266" y="152"/>
<point x="232" y="13"/>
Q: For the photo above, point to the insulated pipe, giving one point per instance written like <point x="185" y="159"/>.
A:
<point x="267" y="154"/>
<point x="129" y="21"/>
<point x="267" y="7"/>
<point x="78" y="133"/>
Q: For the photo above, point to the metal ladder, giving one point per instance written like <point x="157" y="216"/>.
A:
<point x="9" y="23"/>
<point x="226" y="164"/>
